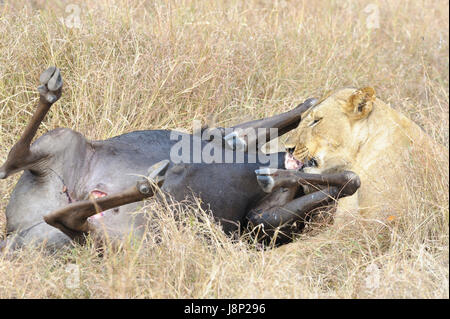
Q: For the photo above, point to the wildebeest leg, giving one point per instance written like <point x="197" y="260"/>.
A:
<point x="283" y="221"/>
<point x="247" y="135"/>
<point x="271" y="178"/>
<point x="20" y="157"/>
<point x="73" y="221"/>
<point x="272" y="215"/>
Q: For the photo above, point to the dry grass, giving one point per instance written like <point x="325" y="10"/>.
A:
<point x="157" y="64"/>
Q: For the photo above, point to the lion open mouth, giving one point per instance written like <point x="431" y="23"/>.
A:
<point x="290" y="162"/>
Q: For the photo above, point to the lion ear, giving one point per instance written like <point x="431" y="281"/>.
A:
<point x="360" y="103"/>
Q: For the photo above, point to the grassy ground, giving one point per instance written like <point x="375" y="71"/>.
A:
<point x="133" y="65"/>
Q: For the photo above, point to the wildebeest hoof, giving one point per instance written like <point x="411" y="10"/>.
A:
<point x="266" y="178"/>
<point x="267" y="183"/>
<point x="155" y="176"/>
<point x="51" y="84"/>
<point x="156" y="171"/>
<point x="235" y="142"/>
<point x="144" y="187"/>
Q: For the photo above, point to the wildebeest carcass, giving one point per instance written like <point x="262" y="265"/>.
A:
<point x="67" y="179"/>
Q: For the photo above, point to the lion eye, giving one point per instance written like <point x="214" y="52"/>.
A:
<point x="314" y="123"/>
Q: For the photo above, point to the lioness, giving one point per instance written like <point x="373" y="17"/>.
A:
<point x="351" y="129"/>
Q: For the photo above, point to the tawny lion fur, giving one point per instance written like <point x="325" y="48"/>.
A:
<point x="351" y="129"/>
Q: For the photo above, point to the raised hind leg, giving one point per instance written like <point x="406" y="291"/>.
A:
<point x="21" y="157"/>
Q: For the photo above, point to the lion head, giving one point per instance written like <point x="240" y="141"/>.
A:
<point x="330" y="134"/>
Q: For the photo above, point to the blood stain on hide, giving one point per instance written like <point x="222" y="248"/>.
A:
<point x="97" y="194"/>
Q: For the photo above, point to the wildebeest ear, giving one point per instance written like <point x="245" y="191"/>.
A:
<point x="360" y="103"/>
